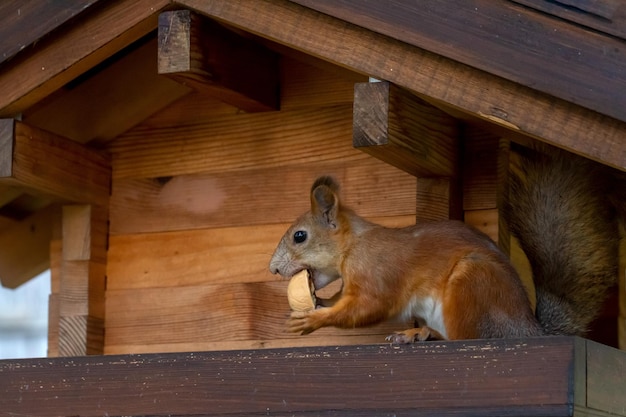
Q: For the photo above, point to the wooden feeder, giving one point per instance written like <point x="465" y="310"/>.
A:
<point x="153" y="152"/>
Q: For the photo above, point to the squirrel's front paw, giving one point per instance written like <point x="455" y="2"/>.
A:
<point x="418" y="334"/>
<point x="301" y="322"/>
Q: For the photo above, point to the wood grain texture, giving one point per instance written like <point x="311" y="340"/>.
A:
<point x="270" y="139"/>
<point x="82" y="280"/>
<point x="54" y="303"/>
<point x="334" y="338"/>
<point x="484" y="220"/>
<point x="608" y="16"/>
<point x="254" y="197"/>
<point x="395" y="126"/>
<point x="23" y="22"/>
<point x="7" y="147"/>
<point x="73" y="335"/>
<point x="76" y="233"/>
<point x="504" y="103"/>
<point x="534" y="377"/>
<point x="605" y="376"/>
<point x="109" y="102"/>
<point x="210" y="58"/>
<point x="621" y="320"/>
<point x="480" y="169"/>
<point x="56" y="166"/>
<point x="544" y="53"/>
<point x="182" y="258"/>
<point x="485" y="172"/>
<point x="54" y="323"/>
<point x="56" y="258"/>
<point x="26" y="247"/>
<point x="438" y="199"/>
<point x="310" y="82"/>
<point x="58" y="59"/>
<point x="220" y="314"/>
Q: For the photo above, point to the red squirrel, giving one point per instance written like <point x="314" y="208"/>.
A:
<point x="451" y="279"/>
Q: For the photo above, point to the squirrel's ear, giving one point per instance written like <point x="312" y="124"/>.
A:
<point x="325" y="202"/>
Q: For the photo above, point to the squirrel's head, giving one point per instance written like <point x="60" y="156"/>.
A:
<point x="312" y="242"/>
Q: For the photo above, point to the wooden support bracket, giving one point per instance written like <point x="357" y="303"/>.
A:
<point x="397" y="127"/>
<point x="52" y="165"/>
<point x="208" y="57"/>
<point x="43" y="163"/>
<point x="25" y="247"/>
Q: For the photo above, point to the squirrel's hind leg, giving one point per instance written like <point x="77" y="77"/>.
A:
<point x="416" y="334"/>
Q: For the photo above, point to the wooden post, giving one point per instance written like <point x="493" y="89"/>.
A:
<point x="486" y="164"/>
<point x="481" y="180"/>
<point x="54" y="304"/>
<point x="83" y="269"/>
<point x="48" y="164"/>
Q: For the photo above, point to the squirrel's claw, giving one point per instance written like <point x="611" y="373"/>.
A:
<point x="417" y="334"/>
<point x="299" y="322"/>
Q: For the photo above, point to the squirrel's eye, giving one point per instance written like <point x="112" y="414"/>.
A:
<point x="299" y="236"/>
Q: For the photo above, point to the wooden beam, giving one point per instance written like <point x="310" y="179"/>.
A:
<point x="555" y="376"/>
<point x="25" y="247"/>
<point x="52" y="165"/>
<point x="288" y="138"/>
<point x="439" y="80"/>
<point x="608" y="16"/>
<point x="397" y="127"/>
<point x="24" y="22"/>
<point x="560" y="59"/>
<point x="64" y="55"/>
<point x="204" y="55"/>
<point x="108" y="103"/>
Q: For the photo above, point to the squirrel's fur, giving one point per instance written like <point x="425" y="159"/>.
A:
<point x="560" y="211"/>
<point x="452" y="279"/>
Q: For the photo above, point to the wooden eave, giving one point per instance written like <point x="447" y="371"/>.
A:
<point x="514" y="58"/>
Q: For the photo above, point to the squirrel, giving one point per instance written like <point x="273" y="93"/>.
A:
<point x="452" y="280"/>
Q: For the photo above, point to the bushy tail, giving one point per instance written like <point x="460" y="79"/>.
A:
<point x="559" y="211"/>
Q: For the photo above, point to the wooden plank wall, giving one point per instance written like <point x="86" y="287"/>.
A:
<point x="201" y="195"/>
